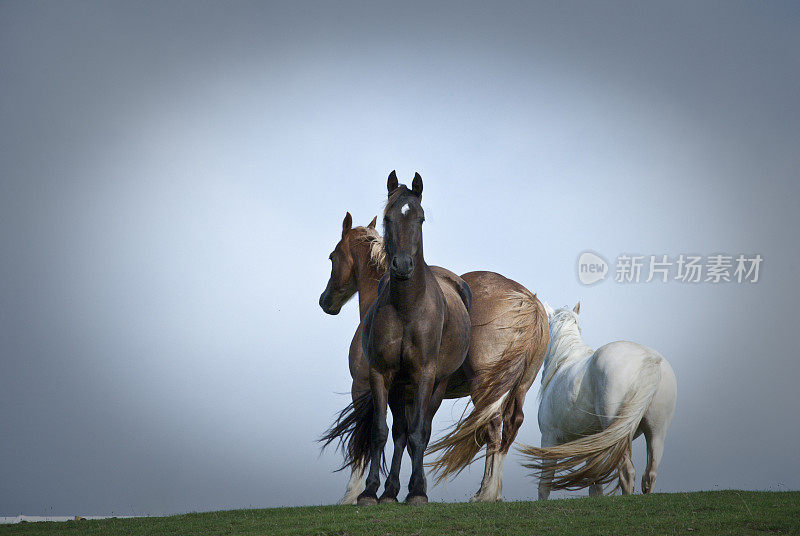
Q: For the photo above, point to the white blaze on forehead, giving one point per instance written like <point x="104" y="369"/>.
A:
<point x="405" y="209"/>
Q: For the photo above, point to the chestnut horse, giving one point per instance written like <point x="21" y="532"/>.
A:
<point x="509" y="337"/>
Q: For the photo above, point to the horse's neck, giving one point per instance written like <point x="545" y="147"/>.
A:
<point x="404" y="295"/>
<point x="367" y="285"/>
<point x="368" y="274"/>
<point x="367" y="292"/>
<point x="566" y="348"/>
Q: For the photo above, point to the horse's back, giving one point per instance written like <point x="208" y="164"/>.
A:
<point x="619" y="357"/>
<point x="490" y="291"/>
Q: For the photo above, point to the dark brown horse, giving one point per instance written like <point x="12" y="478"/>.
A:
<point x="509" y="338"/>
<point x="415" y="336"/>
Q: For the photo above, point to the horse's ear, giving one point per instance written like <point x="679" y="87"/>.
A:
<point x="577" y="308"/>
<point x="373" y="223"/>
<point x="391" y="184"/>
<point x="347" y="224"/>
<point x="416" y="186"/>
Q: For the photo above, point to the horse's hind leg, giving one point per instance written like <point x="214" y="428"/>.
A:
<point x="400" y="438"/>
<point x="354" y="485"/>
<point x="356" y="482"/>
<point x="501" y="432"/>
<point x="627" y="474"/>
<point x="546" y="477"/>
<point x="492" y="483"/>
<point x="595" y="490"/>
<point x="655" y="424"/>
<point x="655" y="449"/>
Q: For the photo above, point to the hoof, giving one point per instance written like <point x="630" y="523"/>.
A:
<point x="414" y="500"/>
<point x="347" y="500"/>
<point x="480" y="498"/>
<point x="387" y="500"/>
<point x="366" y="500"/>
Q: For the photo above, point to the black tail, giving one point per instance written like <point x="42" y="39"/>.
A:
<point x="353" y="430"/>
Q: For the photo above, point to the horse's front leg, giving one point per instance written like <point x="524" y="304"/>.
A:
<point x="378" y="436"/>
<point x="427" y="399"/>
<point x="400" y="438"/>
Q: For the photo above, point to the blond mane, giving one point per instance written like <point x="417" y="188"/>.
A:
<point x="377" y="255"/>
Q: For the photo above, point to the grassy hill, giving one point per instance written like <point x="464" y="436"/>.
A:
<point x="719" y="512"/>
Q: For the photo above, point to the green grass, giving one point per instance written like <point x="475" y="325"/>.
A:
<point x="719" y="512"/>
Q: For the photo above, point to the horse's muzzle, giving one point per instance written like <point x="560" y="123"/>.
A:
<point x="326" y="304"/>
<point x="402" y="266"/>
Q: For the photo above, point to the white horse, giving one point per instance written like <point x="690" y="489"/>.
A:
<point x="593" y="404"/>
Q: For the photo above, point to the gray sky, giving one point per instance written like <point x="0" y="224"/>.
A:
<point x="173" y="177"/>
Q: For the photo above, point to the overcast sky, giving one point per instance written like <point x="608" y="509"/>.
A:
<point x="174" y="175"/>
